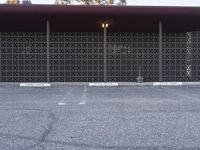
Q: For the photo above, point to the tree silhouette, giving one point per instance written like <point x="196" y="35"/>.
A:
<point x="92" y="2"/>
<point x="122" y="2"/>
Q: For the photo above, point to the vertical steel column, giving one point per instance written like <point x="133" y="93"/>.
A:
<point x="160" y="52"/>
<point x="0" y="58"/>
<point x="48" y="32"/>
<point x="105" y="55"/>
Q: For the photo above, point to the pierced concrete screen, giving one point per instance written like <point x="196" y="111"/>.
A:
<point x="23" y="57"/>
<point x="76" y="57"/>
<point x="127" y="52"/>
<point x="79" y="57"/>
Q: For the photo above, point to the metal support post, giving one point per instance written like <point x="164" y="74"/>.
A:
<point x="160" y="52"/>
<point x="0" y="58"/>
<point x="48" y="32"/>
<point x="105" y="56"/>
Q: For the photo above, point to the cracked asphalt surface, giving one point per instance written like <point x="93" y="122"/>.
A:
<point x="99" y="118"/>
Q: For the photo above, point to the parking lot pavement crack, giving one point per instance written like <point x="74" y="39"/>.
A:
<point x="48" y="130"/>
<point x="42" y="139"/>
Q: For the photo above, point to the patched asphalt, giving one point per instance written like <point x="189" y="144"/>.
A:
<point x="78" y="117"/>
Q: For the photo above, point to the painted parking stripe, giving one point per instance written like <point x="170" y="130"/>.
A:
<point x="83" y="101"/>
<point x="61" y="103"/>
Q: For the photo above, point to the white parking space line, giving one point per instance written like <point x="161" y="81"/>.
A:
<point x="62" y="101"/>
<point x="83" y="99"/>
<point x="82" y="103"/>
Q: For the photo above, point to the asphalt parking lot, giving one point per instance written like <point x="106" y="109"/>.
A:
<point x="71" y="117"/>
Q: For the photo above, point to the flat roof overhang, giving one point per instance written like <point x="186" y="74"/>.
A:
<point x="89" y="18"/>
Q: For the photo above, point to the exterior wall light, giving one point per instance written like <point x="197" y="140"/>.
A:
<point x="104" y="25"/>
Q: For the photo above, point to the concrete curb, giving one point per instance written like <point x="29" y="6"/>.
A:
<point x="131" y="83"/>
<point x="126" y="83"/>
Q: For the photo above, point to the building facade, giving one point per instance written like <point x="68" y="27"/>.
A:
<point x="49" y="43"/>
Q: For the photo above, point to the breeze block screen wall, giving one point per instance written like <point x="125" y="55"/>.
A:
<point x="23" y="57"/>
<point x="78" y="56"/>
<point x="181" y="56"/>
<point x="127" y="52"/>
